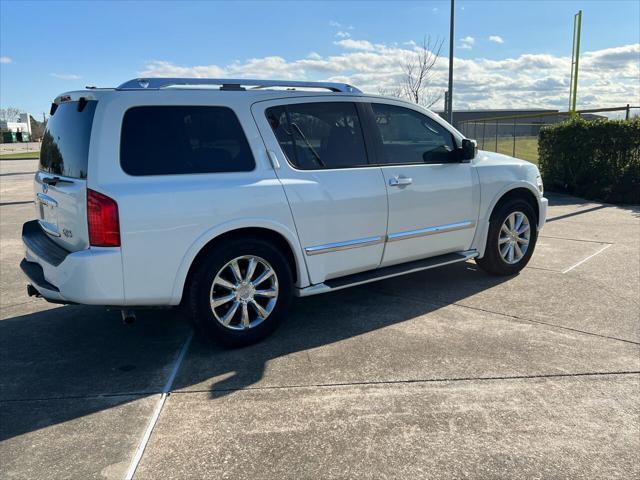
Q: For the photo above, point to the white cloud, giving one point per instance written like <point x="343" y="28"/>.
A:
<point x="608" y="77"/>
<point x="466" y="43"/>
<point x="66" y="76"/>
<point x="342" y="34"/>
<point x="355" y="44"/>
<point x="335" y="24"/>
<point x="496" y="39"/>
<point x="5" y="59"/>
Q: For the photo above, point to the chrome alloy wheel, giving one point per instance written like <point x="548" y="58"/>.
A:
<point x="515" y="234"/>
<point x="244" y="292"/>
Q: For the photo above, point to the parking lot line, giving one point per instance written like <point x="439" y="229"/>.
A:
<point x="585" y="259"/>
<point x="156" y="412"/>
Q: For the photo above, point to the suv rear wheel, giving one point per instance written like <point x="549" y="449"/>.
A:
<point x="240" y="292"/>
<point x="511" y="239"/>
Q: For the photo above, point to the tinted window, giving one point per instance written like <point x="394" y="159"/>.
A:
<point x="411" y="137"/>
<point x="65" y="144"/>
<point x="319" y="135"/>
<point x="168" y="140"/>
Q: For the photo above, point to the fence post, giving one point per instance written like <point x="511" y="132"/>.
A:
<point x="514" y="137"/>
<point x="496" y="136"/>
<point x="484" y="132"/>
<point x="626" y="116"/>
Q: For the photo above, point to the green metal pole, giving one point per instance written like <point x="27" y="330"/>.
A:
<point x="574" y="83"/>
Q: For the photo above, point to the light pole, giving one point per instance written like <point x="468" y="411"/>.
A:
<point x="449" y="97"/>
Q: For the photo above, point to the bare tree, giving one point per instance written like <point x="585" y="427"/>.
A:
<point x="9" y="114"/>
<point x="417" y="75"/>
<point x="395" y="91"/>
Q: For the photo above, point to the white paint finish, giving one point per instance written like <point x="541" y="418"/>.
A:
<point x="337" y="206"/>
<point x="331" y="206"/>
<point x="69" y="210"/>
<point x="166" y="220"/>
<point x="498" y="174"/>
<point x="440" y="194"/>
<point x="92" y="276"/>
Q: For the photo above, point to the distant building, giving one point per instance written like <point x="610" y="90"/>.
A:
<point x="22" y="125"/>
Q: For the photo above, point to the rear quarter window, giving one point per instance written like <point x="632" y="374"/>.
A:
<point x="65" y="144"/>
<point x="174" y="140"/>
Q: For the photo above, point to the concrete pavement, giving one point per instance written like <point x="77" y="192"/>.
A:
<point x="447" y="373"/>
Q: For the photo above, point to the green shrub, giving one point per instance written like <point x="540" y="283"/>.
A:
<point x="592" y="159"/>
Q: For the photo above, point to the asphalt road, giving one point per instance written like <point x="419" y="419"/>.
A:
<point x="447" y="373"/>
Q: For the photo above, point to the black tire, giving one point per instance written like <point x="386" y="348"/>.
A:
<point x="199" y="292"/>
<point x="492" y="261"/>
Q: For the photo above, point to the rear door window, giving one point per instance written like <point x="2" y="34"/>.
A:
<point x="65" y="144"/>
<point x="319" y="135"/>
<point x="173" y="140"/>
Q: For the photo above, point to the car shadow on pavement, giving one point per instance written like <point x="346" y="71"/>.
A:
<point x="72" y="361"/>
<point x="326" y="320"/>
<point x="584" y="206"/>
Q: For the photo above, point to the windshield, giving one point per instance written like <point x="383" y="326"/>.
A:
<point x="65" y="145"/>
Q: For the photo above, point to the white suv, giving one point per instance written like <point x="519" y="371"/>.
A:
<point x="228" y="200"/>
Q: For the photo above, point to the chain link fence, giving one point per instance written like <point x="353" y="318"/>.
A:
<point x="517" y="135"/>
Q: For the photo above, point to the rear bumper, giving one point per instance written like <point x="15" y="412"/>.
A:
<point x="92" y="276"/>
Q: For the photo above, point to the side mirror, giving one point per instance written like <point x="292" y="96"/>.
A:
<point x="468" y="150"/>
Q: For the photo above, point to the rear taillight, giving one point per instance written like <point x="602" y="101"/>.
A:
<point x="102" y="216"/>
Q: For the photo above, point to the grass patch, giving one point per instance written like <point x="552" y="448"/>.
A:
<point x="526" y="147"/>
<point x="19" y="155"/>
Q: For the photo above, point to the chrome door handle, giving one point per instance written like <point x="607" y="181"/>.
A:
<point x="273" y="159"/>
<point x="398" y="181"/>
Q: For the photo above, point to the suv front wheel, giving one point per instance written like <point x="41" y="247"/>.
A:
<point x="511" y="239"/>
<point x="240" y="292"/>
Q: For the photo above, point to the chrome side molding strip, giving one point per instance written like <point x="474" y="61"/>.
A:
<point x="423" y="232"/>
<point x="338" y="246"/>
<point x="365" y="242"/>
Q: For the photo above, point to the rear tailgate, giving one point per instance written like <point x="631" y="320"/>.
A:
<point x="60" y="186"/>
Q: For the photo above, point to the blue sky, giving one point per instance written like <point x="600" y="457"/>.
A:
<point x="505" y="48"/>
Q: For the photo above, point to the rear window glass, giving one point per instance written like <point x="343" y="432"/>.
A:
<point x="65" y="144"/>
<point x="173" y="140"/>
<point x="319" y="135"/>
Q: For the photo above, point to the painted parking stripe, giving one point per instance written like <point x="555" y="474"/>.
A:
<point x="588" y="258"/>
<point x="156" y="412"/>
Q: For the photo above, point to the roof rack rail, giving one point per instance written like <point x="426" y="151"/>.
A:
<point x="231" y="84"/>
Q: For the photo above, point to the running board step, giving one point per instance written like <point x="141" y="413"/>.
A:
<point x="386" y="272"/>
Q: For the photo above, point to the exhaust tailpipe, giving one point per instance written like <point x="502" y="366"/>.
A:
<point x="32" y="291"/>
